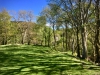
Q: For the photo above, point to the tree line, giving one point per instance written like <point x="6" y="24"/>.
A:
<point x="19" y="28"/>
<point x="80" y="24"/>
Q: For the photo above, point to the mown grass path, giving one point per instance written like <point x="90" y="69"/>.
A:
<point x="38" y="60"/>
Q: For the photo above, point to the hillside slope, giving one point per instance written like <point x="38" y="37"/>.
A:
<point x="38" y="60"/>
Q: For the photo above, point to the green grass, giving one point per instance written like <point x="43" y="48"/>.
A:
<point x="38" y="60"/>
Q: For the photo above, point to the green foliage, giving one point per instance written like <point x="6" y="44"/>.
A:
<point x="71" y="23"/>
<point x="41" y="20"/>
<point x="4" y="26"/>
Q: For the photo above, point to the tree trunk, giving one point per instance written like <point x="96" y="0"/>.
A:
<point x="3" y="41"/>
<point x="66" y="37"/>
<point x="49" y="38"/>
<point x="84" y="42"/>
<point x="54" y="36"/>
<point x="78" y="46"/>
<point x="82" y="13"/>
<point x="44" y="34"/>
<point x="29" y="41"/>
<point x="45" y="40"/>
<point x="69" y="43"/>
<point x="97" y="43"/>
<point x="14" y="41"/>
<point x="63" y="41"/>
<point x="6" y="41"/>
<point x="73" y="46"/>
<point x="97" y="32"/>
<point x="22" y="40"/>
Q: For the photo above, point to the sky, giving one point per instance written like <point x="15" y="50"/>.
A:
<point x="29" y="5"/>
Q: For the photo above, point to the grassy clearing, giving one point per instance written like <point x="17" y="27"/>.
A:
<point x="38" y="60"/>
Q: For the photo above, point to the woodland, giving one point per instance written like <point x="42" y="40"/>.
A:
<point x="65" y="29"/>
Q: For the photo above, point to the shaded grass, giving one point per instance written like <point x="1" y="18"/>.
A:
<point x="38" y="60"/>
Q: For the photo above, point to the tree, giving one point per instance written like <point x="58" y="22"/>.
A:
<point x="29" y="18"/>
<point x="4" y="26"/>
<point x="41" y="21"/>
<point x="78" y="13"/>
<point x="51" y="18"/>
<point x="25" y="25"/>
<point x="97" y="35"/>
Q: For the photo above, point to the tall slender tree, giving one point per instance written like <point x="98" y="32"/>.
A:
<point x="97" y="35"/>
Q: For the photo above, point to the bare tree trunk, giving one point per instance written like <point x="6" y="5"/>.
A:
<point x="84" y="42"/>
<point x="63" y="41"/>
<point x="49" y="38"/>
<point x="96" y="42"/>
<point x="78" y="46"/>
<point x="29" y="41"/>
<point x="45" y="38"/>
<point x="66" y="38"/>
<point x="22" y="42"/>
<point x="3" y="41"/>
<point x="73" y="46"/>
<point x="22" y="38"/>
<point x="83" y="12"/>
<point x="69" y="43"/>
<point x="28" y="34"/>
<point x="54" y="36"/>
<point x="6" y="41"/>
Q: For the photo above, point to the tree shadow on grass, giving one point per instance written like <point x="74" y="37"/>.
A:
<point x="35" y="60"/>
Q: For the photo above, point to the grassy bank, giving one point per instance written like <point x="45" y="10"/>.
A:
<point x="38" y="60"/>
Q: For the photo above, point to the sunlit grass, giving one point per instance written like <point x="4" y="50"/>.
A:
<point x="38" y="60"/>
